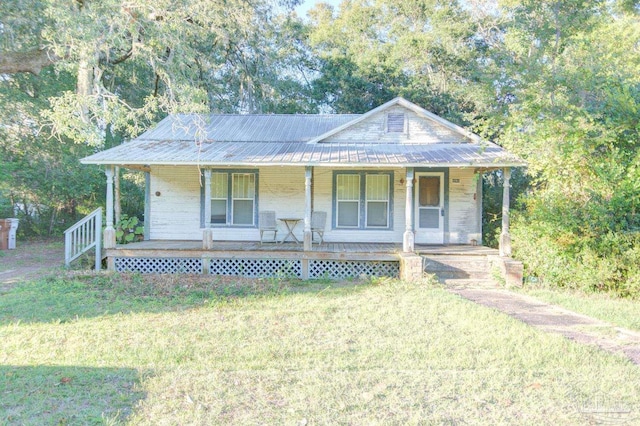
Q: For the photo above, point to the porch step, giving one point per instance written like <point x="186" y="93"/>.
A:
<point x="470" y="283"/>
<point x="447" y="267"/>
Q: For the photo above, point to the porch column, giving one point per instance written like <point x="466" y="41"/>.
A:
<point x="109" y="239"/>
<point x="505" y="237"/>
<point x="147" y="206"/>
<point x="408" y="241"/>
<point x="308" y="235"/>
<point x="207" y="234"/>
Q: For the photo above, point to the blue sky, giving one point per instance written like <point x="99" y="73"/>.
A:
<point x="308" y="4"/>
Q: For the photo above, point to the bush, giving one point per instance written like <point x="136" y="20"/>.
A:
<point x="571" y="251"/>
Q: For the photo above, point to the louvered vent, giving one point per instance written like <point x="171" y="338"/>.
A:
<point x="395" y="123"/>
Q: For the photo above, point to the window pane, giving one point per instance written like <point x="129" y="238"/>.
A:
<point x="219" y="188"/>
<point x="243" y="212"/>
<point x="377" y="187"/>
<point x="429" y="191"/>
<point x="243" y="185"/>
<point x="429" y="218"/>
<point x="348" y="213"/>
<point x="377" y="214"/>
<point x="348" y="187"/>
<point x="219" y="211"/>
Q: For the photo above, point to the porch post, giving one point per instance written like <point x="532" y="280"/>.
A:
<point x="505" y="237"/>
<point x="109" y="239"/>
<point x="308" y="236"/>
<point x="207" y="234"/>
<point x="147" y="206"/>
<point x="408" y="242"/>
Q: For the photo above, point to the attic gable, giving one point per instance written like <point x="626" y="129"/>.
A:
<point x="398" y="122"/>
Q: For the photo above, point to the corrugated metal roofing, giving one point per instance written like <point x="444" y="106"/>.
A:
<point x="246" y="128"/>
<point x="146" y="152"/>
<point x="231" y="140"/>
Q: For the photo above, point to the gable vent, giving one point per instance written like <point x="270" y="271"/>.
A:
<point x="395" y="123"/>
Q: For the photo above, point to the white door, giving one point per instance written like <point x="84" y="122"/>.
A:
<point x="429" y="208"/>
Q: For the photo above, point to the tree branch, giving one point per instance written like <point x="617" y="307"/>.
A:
<point x="33" y="61"/>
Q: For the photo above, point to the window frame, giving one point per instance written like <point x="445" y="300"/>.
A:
<point x="363" y="201"/>
<point x="205" y="222"/>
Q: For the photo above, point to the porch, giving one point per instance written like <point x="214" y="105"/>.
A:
<point x="327" y="260"/>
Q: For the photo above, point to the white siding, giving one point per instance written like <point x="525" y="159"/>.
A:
<point x="418" y="130"/>
<point x="175" y="213"/>
<point x="464" y="211"/>
<point x="175" y="203"/>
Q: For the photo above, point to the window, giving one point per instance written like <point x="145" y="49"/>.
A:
<point x="219" y="191"/>
<point x="363" y="200"/>
<point x="233" y="198"/>
<point x="377" y="201"/>
<point x="348" y="201"/>
<point x="242" y="198"/>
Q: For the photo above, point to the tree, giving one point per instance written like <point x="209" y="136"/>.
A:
<point x="95" y="73"/>
<point x="574" y="95"/>
<point x="370" y="51"/>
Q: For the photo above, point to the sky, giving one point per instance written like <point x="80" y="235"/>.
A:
<point x="308" y="4"/>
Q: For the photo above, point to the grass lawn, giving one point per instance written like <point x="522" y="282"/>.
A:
<point x="619" y="312"/>
<point x="119" y="349"/>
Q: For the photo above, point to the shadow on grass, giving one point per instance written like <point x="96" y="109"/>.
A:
<point x="63" y="298"/>
<point x="67" y="395"/>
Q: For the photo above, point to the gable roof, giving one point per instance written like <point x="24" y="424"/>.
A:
<point x="297" y="139"/>
<point x="408" y="105"/>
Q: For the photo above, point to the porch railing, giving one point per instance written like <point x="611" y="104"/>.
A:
<point x="83" y="236"/>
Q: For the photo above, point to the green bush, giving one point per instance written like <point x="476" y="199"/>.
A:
<point x="577" y="251"/>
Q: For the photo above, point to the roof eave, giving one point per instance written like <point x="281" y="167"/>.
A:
<point x="312" y="164"/>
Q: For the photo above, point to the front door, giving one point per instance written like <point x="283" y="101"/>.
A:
<point x="429" y="208"/>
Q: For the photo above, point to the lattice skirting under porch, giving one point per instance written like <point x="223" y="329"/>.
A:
<point x="159" y="265"/>
<point x="283" y="268"/>
<point x="340" y="269"/>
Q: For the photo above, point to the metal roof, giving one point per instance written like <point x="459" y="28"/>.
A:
<point x="145" y="152"/>
<point x="246" y="128"/>
<point x="279" y="140"/>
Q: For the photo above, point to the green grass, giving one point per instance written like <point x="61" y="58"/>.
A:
<point x="619" y="312"/>
<point x="184" y="350"/>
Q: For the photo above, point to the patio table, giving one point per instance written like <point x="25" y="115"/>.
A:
<point x="290" y="223"/>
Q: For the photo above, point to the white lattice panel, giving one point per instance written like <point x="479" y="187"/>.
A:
<point x="338" y="269"/>
<point x="158" y="265"/>
<point x="256" y="267"/>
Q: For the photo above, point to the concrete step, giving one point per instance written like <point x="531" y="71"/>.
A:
<point x="470" y="283"/>
<point x="455" y="263"/>
<point x="458" y="267"/>
<point x="461" y="275"/>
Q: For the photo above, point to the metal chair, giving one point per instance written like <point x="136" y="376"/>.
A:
<point x="318" y="222"/>
<point x="268" y="224"/>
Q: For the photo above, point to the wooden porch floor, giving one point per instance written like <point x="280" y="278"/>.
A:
<point x="288" y="247"/>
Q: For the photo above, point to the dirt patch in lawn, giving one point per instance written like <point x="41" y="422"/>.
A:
<point x="30" y="260"/>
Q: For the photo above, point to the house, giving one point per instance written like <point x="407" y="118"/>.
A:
<point x="397" y="174"/>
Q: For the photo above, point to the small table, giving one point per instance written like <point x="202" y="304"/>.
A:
<point x="290" y="223"/>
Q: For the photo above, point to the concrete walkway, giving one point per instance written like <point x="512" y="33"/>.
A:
<point x="554" y="319"/>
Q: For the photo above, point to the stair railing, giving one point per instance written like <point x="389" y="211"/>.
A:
<point x="83" y="236"/>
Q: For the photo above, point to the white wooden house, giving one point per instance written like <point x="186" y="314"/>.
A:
<point x="397" y="174"/>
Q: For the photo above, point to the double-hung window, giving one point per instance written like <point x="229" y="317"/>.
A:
<point x="233" y="198"/>
<point x="363" y="200"/>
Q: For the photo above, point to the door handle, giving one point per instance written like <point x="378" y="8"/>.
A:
<point x="442" y="212"/>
